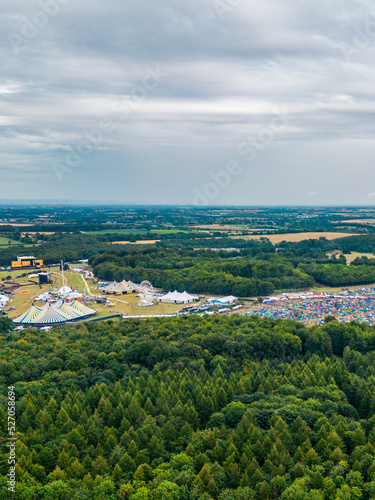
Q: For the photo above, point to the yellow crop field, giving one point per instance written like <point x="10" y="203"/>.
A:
<point x="295" y="237"/>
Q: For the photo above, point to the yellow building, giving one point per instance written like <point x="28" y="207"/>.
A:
<point x="27" y="262"/>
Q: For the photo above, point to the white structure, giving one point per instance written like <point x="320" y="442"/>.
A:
<point x="4" y="300"/>
<point x="224" y="301"/>
<point x="65" y="290"/>
<point x="43" y="297"/>
<point x="178" y="298"/>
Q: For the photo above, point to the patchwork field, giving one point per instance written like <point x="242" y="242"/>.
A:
<point x="219" y="227"/>
<point x="351" y="257"/>
<point x="359" y="221"/>
<point x="136" y="231"/>
<point x="355" y="255"/>
<point x="38" y="232"/>
<point x="15" y="224"/>
<point x="295" y="237"/>
<point x="138" y="242"/>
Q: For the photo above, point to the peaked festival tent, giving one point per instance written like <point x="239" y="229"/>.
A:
<point x="83" y="310"/>
<point x="53" y="314"/>
<point x="29" y="316"/>
<point x="68" y="311"/>
<point x="121" y="287"/>
<point x="50" y="316"/>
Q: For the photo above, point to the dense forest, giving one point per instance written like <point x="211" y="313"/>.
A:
<point x="225" y="408"/>
<point x="202" y="271"/>
<point x="252" y="268"/>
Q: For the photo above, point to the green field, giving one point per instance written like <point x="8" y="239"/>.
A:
<point x="13" y="274"/>
<point x="6" y="242"/>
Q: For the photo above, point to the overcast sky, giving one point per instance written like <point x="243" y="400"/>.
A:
<point x="258" y="102"/>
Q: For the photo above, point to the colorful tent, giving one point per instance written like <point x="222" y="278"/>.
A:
<point x="29" y="316"/>
<point x="53" y="314"/>
<point x="50" y="316"/>
<point x="68" y="311"/>
<point x="83" y="310"/>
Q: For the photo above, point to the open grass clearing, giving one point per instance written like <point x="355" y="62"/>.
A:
<point x="7" y="242"/>
<point x="13" y="274"/>
<point x="127" y="305"/>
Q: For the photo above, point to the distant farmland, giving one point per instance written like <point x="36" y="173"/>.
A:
<point x="138" y="242"/>
<point x="135" y="231"/>
<point x="295" y="237"/>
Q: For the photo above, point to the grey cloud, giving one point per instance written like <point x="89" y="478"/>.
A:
<point x="224" y="78"/>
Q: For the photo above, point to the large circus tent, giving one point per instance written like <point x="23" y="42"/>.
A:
<point x="54" y="313"/>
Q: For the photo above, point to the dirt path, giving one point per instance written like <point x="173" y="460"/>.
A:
<point x="86" y="285"/>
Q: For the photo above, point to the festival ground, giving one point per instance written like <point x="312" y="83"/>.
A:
<point x="308" y="311"/>
<point x="126" y="304"/>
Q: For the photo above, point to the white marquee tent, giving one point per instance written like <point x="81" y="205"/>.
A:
<point x="178" y="298"/>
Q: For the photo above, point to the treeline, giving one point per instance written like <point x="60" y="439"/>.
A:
<point x="255" y="268"/>
<point x="67" y="247"/>
<point x="217" y="241"/>
<point x="317" y="249"/>
<point x="340" y="275"/>
<point x="227" y="408"/>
